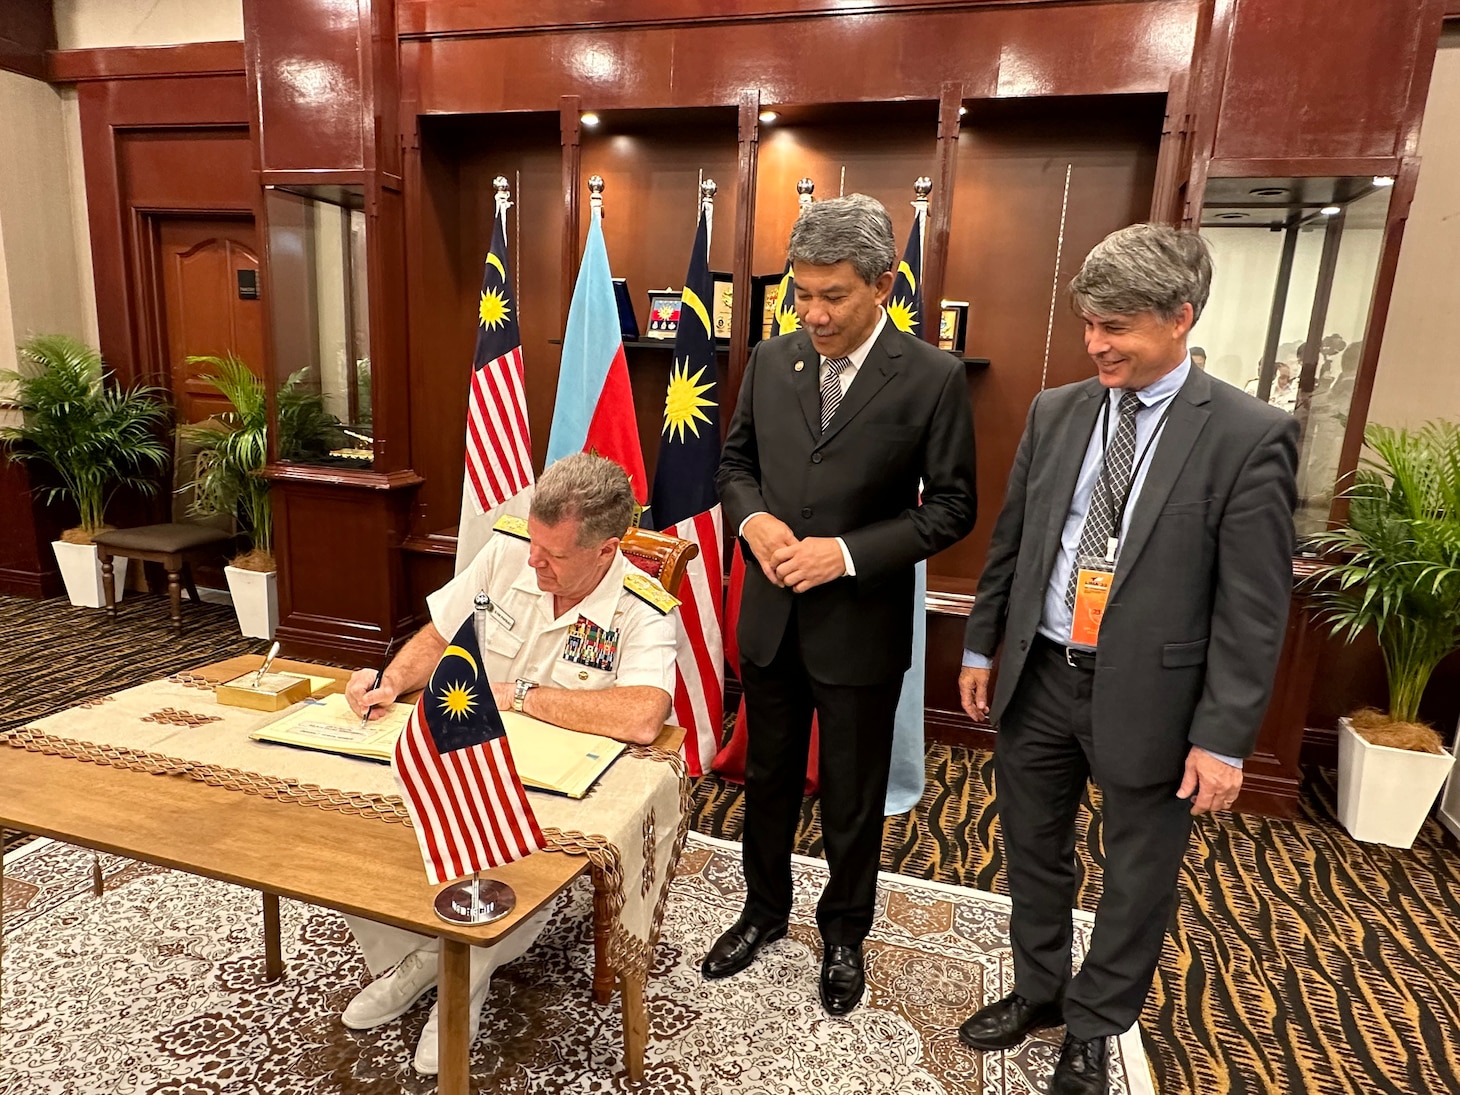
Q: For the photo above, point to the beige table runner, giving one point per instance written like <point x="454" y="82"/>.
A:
<point x="631" y="825"/>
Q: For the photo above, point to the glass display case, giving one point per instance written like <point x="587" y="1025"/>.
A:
<point x="1295" y="261"/>
<point x="321" y="325"/>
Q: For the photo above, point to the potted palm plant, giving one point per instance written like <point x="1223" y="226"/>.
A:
<point x="228" y="482"/>
<point x="96" y="436"/>
<point x="1395" y="568"/>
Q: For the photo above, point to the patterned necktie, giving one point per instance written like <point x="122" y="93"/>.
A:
<point x="1100" y="517"/>
<point x="831" y="387"/>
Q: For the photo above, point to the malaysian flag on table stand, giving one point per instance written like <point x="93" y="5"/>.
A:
<point x="685" y="504"/>
<point x="456" y="775"/>
<point x="730" y="761"/>
<point x="498" y="445"/>
<point x="908" y="772"/>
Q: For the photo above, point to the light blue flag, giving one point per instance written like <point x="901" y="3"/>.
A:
<point x="909" y="769"/>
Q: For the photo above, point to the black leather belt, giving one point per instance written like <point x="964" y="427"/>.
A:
<point x="1074" y="656"/>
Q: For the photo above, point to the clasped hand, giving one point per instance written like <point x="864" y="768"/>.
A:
<point x="795" y="564"/>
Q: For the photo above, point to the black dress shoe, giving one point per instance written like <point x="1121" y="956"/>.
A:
<point x="1083" y="1067"/>
<point x="1007" y="1022"/>
<point x="738" y="947"/>
<point x="842" y="978"/>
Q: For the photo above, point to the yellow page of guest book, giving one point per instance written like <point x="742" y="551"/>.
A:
<point x="550" y="758"/>
<point x="328" y="725"/>
<point x="547" y="757"/>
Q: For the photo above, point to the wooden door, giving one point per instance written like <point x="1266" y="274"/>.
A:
<point x="210" y="304"/>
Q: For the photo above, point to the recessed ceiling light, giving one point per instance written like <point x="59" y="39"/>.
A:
<point x="589" y="119"/>
<point x="1268" y="191"/>
<point x="767" y="116"/>
<point x="1229" y="215"/>
<point x="1383" y="180"/>
<point x="1329" y="210"/>
<point x="962" y="111"/>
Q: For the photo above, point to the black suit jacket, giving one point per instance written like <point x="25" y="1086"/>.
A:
<point x="906" y="416"/>
<point x="1194" y="625"/>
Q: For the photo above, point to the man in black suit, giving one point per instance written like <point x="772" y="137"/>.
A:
<point x="836" y="425"/>
<point x="1138" y="581"/>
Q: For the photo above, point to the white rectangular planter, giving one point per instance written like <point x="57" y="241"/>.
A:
<point x="255" y="599"/>
<point x="1384" y="794"/>
<point x="81" y="571"/>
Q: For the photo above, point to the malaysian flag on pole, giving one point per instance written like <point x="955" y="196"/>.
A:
<point x="498" y="445"/>
<point x="908" y="770"/>
<point x="455" y="771"/>
<point x="684" y="504"/>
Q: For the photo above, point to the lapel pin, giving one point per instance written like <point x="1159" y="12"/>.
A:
<point x="800" y="365"/>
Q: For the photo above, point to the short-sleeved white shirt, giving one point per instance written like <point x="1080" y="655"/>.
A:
<point x="611" y="637"/>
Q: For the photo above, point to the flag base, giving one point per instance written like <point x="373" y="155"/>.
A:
<point x="475" y="901"/>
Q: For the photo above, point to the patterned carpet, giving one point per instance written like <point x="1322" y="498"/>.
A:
<point x="1302" y="961"/>
<point x="181" y="987"/>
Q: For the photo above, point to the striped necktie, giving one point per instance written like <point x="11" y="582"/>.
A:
<point x="1100" y="517"/>
<point x="831" y="387"/>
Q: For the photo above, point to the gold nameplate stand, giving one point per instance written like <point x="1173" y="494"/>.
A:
<point x="271" y="692"/>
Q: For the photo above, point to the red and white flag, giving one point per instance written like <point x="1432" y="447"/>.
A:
<point x="498" y="444"/>
<point x="455" y="771"/>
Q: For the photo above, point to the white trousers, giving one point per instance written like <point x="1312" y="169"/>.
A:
<point x="384" y="946"/>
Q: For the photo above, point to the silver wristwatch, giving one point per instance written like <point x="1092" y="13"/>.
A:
<point x="520" y="693"/>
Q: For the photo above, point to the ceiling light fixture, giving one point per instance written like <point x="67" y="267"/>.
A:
<point x="767" y="117"/>
<point x="589" y="119"/>
<point x="1329" y="210"/>
<point x="1383" y="180"/>
<point x="962" y="111"/>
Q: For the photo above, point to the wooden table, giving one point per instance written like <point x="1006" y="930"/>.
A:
<point x="353" y="864"/>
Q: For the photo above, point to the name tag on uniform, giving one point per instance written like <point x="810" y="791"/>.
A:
<point x="590" y="645"/>
<point x="1093" y="580"/>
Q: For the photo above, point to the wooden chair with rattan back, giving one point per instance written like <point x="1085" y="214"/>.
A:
<point x="659" y="556"/>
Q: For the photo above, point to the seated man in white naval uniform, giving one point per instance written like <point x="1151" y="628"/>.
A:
<point x="576" y="635"/>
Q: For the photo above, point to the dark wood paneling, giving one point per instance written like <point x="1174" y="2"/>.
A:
<point x="67" y="66"/>
<point x="325" y="82"/>
<point x="1000" y="51"/>
<point x="425" y="18"/>
<point x="27" y="563"/>
<point x="342" y="580"/>
<point x="1348" y="98"/>
<point x="309" y="77"/>
<point x="27" y="32"/>
<point x="155" y="145"/>
<point x="459" y="157"/>
<point x="1009" y="259"/>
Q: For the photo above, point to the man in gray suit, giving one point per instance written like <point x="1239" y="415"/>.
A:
<point x="1137" y="582"/>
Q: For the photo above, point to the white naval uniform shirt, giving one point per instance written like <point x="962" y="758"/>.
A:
<point x="532" y="646"/>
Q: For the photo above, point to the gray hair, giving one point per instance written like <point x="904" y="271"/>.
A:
<point x="853" y="229"/>
<point x="589" y="488"/>
<point x="1145" y="268"/>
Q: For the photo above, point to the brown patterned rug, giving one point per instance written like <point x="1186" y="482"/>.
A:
<point x="156" y="988"/>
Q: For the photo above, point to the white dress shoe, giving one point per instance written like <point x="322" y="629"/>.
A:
<point x="391" y="996"/>
<point x="427" y="1060"/>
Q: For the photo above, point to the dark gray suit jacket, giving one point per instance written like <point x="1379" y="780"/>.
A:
<point x="1192" y="632"/>
<point x="905" y="416"/>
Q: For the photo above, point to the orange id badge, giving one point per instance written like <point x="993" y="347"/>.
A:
<point x="1092" y="589"/>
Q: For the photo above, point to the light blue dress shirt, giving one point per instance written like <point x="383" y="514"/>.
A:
<point x="1155" y="397"/>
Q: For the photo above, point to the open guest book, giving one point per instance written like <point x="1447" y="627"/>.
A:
<point x="548" y="758"/>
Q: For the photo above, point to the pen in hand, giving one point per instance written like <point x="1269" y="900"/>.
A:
<point x="379" y="676"/>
